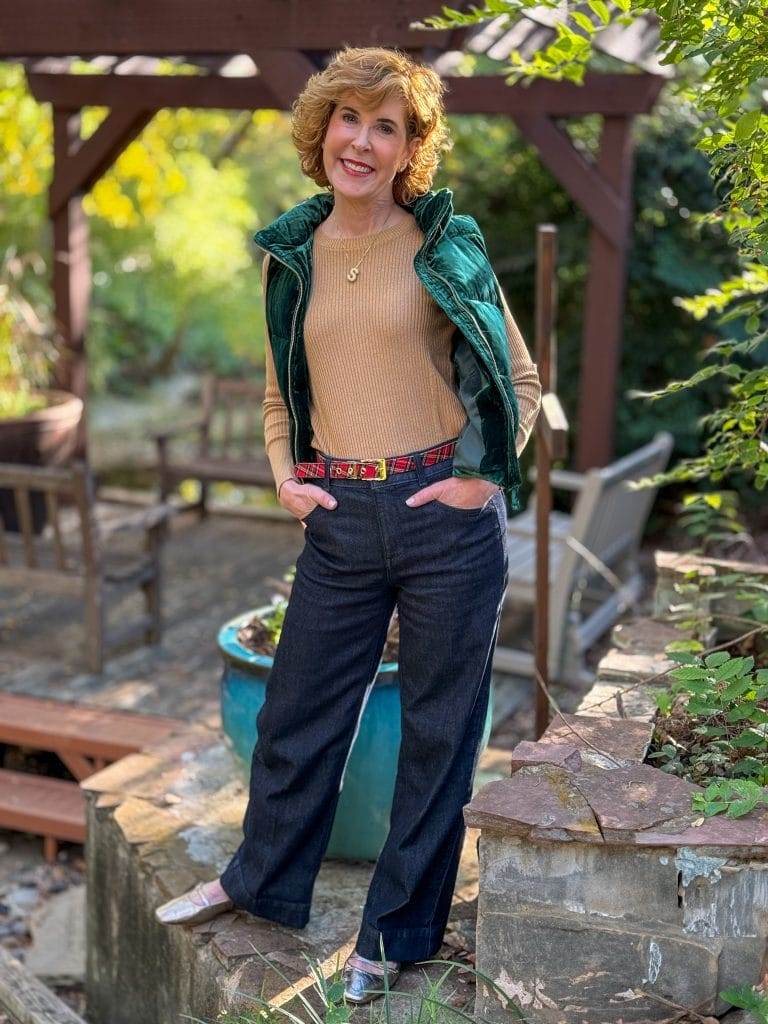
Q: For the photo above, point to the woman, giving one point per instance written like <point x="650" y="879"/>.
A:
<point x="399" y="396"/>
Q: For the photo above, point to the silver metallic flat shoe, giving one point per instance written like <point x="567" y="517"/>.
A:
<point x="183" y="910"/>
<point x="362" y="986"/>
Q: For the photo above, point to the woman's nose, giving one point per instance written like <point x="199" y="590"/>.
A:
<point x="361" y="142"/>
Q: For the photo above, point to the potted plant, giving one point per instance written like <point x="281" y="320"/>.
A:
<point x="247" y="644"/>
<point x="38" y="425"/>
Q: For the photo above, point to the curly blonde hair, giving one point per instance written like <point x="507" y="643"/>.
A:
<point x="375" y="74"/>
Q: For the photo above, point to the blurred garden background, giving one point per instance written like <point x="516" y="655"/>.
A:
<point x="176" y="288"/>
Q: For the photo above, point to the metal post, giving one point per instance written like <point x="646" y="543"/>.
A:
<point x="549" y="445"/>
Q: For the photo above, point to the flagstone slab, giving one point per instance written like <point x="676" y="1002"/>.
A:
<point x="561" y="755"/>
<point x="624" y="740"/>
<point x="536" y="795"/>
<point x="635" y="797"/>
<point x="745" y="837"/>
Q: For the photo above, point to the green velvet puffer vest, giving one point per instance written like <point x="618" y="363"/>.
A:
<point x="452" y="264"/>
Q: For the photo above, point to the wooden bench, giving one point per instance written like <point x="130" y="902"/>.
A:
<point x="85" y="739"/>
<point x="594" y="576"/>
<point x="78" y="553"/>
<point x="227" y="449"/>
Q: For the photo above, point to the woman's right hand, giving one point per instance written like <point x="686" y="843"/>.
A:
<point x="300" y="498"/>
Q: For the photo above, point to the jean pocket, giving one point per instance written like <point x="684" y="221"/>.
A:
<point x="465" y="513"/>
<point x="311" y="513"/>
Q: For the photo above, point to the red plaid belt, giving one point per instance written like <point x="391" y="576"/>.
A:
<point x="374" y="469"/>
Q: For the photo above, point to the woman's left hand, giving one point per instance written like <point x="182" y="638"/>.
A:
<point x="461" y="492"/>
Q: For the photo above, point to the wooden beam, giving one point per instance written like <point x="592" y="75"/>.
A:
<point x="483" y="94"/>
<point x="163" y="27"/>
<point x="583" y="180"/>
<point x="153" y="92"/>
<point x="604" y="305"/>
<point x="285" y="73"/>
<point x="82" y="165"/>
<point x="71" y="276"/>
<point x="600" y="94"/>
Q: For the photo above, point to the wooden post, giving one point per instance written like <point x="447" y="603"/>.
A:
<point x="604" y="304"/>
<point x="546" y="299"/>
<point x="71" y="277"/>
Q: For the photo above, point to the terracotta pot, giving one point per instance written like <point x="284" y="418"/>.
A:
<point x="45" y="437"/>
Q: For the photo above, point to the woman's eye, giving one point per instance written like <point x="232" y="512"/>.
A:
<point x="346" y="116"/>
<point x="387" y="128"/>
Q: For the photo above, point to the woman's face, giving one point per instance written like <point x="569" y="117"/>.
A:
<point x="364" y="149"/>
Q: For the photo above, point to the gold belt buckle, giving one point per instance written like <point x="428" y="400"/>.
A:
<point x="381" y="470"/>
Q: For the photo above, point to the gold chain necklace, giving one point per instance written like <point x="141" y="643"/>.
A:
<point x="354" y="272"/>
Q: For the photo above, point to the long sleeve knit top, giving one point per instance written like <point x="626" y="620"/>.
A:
<point x="379" y="357"/>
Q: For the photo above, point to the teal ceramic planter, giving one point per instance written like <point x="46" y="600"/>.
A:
<point x="362" y="814"/>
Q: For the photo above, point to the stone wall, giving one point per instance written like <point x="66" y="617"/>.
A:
<point x="603" y="898"/>
<point x="158" y="822"/>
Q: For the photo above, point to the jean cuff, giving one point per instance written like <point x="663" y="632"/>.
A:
<point x="403" y="944"/>
<point x="285" y="912"/>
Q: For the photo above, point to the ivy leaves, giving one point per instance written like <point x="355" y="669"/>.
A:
<point x="713" y="730"/>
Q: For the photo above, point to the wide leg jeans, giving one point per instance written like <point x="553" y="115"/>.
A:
<point x="446" y="570"/>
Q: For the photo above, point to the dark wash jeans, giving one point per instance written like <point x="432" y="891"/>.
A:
<point x="446" y="569"/>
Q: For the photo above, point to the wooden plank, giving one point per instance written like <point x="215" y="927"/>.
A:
<point x="153" y="92"/>
<point x="43" y="806"/>
<point x="52" y="505"/>
<point x="71" y="280"/>
<point x="284" y="72"/>
<point x="39" y="478"/>
<point x="600" y="94"/>
<point x="48" y="28"/>
<point x="92" y="732"/>
<point x="27" y="999"/>
<point x="480" y="94"/>
<point x="586" y="183"/>
<point x="51" y="582"/>
<point x="82" y="166"/>
<point x="604" y="302"/>
<point x="257" y="474"/>
<point x="24" y="516"/>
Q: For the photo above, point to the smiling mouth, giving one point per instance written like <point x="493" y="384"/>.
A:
<point x="354" y="167"/>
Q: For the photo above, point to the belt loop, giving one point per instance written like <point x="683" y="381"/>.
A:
<point x="420" y="471"/>
<point x="325" y="479"/>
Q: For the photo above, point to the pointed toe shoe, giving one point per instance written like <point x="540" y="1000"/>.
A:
<point x="192" y="907"/>
<point x="361" y="986"/>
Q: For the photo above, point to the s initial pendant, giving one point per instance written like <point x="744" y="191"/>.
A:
<point x="352" y="275"/>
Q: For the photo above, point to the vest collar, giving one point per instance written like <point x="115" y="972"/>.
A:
<point x="294" y="228"/>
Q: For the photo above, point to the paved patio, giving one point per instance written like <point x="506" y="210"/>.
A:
<point x="213" y="570"/>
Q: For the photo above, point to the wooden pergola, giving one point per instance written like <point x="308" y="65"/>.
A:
<point x="258" y="54"/>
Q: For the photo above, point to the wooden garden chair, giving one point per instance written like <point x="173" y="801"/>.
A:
<point x="227" y="449"/>
<point x="78" y="552"/>
<point x="593" y="570"/>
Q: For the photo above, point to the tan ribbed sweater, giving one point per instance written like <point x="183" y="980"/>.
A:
<point x="379" y="357"/>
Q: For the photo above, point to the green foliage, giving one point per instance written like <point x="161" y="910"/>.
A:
<point x="25" y="351"/>
<point x="174" y="281"/>
<point x="735" y="797"/>
<point x="712" y="729"/>
<point x="748" y="998"/>
<point x="498" y="178"/>
<point x="711" y="518"/>
<point x="719" y="48"/>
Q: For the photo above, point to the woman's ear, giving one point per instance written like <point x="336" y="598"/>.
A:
<point x="413" y="148"/>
